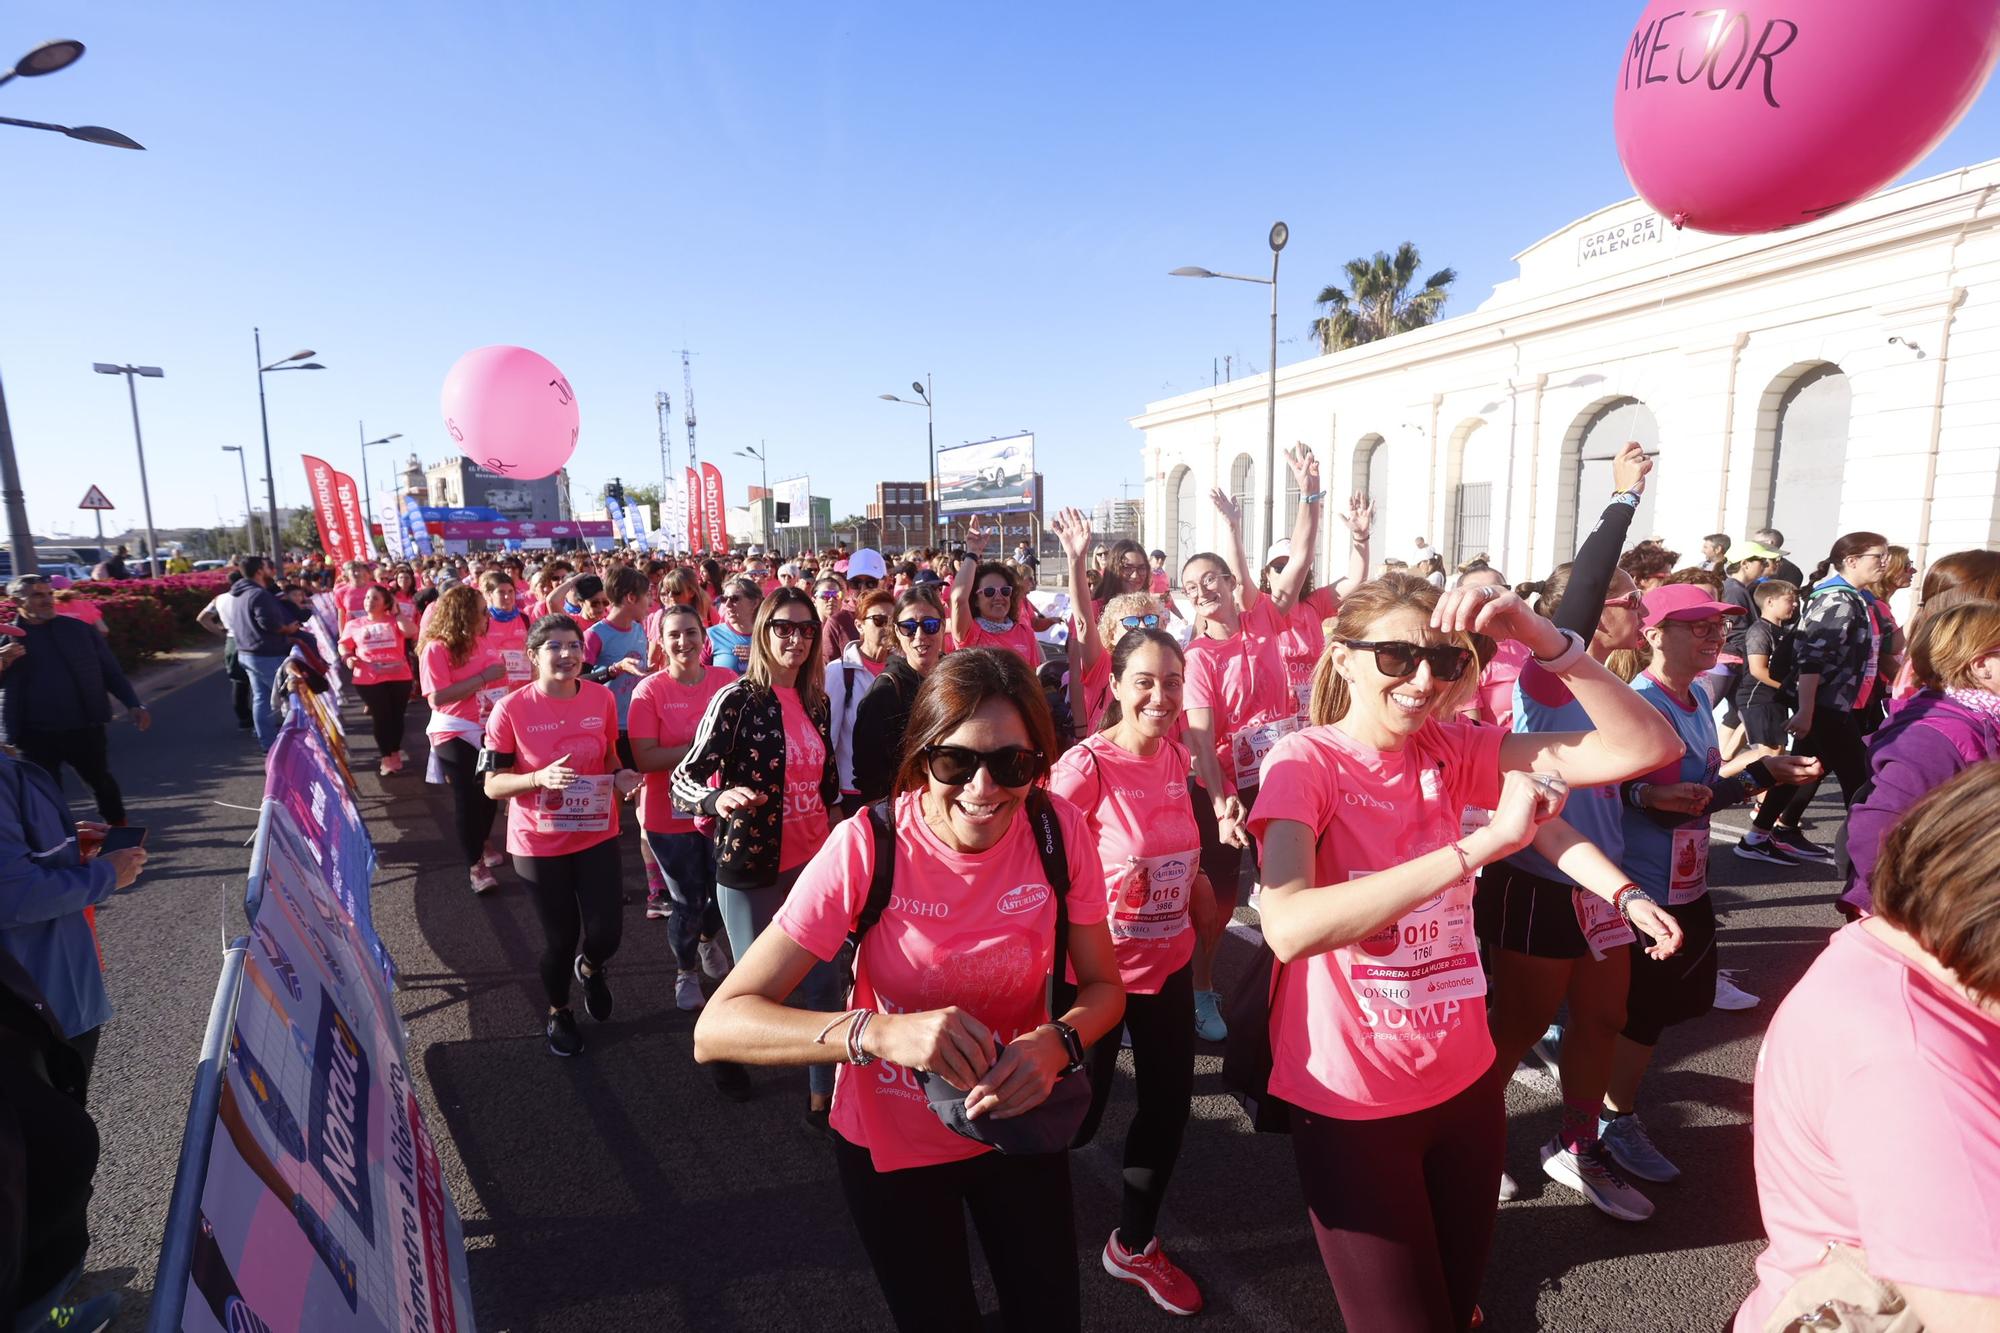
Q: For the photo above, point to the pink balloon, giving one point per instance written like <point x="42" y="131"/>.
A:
<point x="511" y="411"/>
<point x="1756" y="116"/>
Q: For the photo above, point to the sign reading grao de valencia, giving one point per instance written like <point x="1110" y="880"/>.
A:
<point x="1647" y="230"/>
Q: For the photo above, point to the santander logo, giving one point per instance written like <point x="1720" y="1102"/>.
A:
<point x="1025" y="898"/>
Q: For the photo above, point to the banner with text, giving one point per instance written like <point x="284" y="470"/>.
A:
<point x="692" y="497"/>
<point x="320" y="484"/>
<point x="528" y="530"/>
<point x="348" y="497"/>
<point x="796" y="494"/>
<point x="389" y="516"/>
<point x="715" y="527"/>
<point x="414" y="529"/>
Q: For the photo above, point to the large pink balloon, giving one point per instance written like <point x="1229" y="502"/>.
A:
<point x="511" y="411"/>
<point x="1757" y="116"/>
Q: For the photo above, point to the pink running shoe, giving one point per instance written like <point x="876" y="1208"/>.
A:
<point x="1171" y="1289"/>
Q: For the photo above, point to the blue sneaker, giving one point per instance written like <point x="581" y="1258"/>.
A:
<point x="1548" y="1049"/>
<point x="1208" y="1024"/>
<point x="1630" y="1146"/>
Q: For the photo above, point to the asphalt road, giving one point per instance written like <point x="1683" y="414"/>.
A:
<point x="617" y="1191"/>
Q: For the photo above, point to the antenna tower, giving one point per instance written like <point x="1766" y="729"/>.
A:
<point x="663" y="403"/>
<point x="687" y="382"/>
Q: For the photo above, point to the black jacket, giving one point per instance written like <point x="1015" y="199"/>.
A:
<point x="879" y="722"/>
<point x="742" y="739"/>
<point x="60" y="683"/>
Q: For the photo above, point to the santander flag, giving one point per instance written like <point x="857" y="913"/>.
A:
<point x="353" y="517"/>
<point x="692" y="506"/>
<point x="711" y="509"/>
<point x="326" y="509"/>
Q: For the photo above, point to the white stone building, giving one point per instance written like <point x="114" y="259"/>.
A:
<point x="1840" y="376"/>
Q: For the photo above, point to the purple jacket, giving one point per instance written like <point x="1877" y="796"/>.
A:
<point x="1925" y="743"/>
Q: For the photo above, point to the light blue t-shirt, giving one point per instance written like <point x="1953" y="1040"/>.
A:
<point x="1591" y="811"/>
<point x="614" y="645"/>
<point x="1650" y="850"/>
<point x="729" y="649"/>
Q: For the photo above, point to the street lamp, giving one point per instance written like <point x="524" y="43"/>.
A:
<point x="764" y="479"/>
<point x="249" y="514"/>
<point x="923" y="392"/>
<point x="270" y="473"/>
<point x="145" y="492"/>
<point x="367" y="496"/>
<point x="47" y="59"/>
<point x="1280" y="233"/>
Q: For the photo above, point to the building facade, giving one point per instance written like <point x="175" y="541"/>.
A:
<point x="1839" y="376"/>
<point x="1112" y="519"/>
<point x="459" y="483"/>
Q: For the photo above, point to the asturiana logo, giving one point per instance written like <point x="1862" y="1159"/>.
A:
<point x="1025" y="898"/>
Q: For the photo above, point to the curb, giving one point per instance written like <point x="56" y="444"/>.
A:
<point x="157" y="683"/>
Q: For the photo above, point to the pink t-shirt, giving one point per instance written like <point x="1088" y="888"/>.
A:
<point x="538" y="729"/>
<point x="972" y="929"/>
<point x="1021" y="638"/>
<point x="435" y="672"/>
<point x="1242" y="680"/>
<point x="1493" y="702"/>
<point x="1145" y="834"/>
<point x="81" y="608"/>
<point x="1877" y="1125"/>
<point x="352" y="599"/>
<point x="377" y="645"/>
<point x="667" y="712"/>
<point x="509" y="639"/>
<point x="1393" y="1023"/>
<point x="1304" y="641"/>
<point x="1096" y="682"/>
<point x="805" y="823"/>
<point x="1161" y="583"/>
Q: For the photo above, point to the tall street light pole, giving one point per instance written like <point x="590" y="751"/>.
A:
<point x="292" y="362"/>
<point x="249" y="514"/>
<point x="131" y="374"/>
<point x="1280" y="233"/>
<point x="923" y="392"/>
<point x="20" y="539"/>
<point x="367" y="496"/>
<point x="764" y="480"/>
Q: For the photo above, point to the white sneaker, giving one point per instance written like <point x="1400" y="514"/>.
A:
<point x="1510" y="1188"/>
<point x="1728" y="995"/>
<point x="715" y="959"/>
<point x="1596" y="1179"/>
<point x="483" y="880"/>
<point x="687" y="992"/>
<point x="1548" y="1049"/>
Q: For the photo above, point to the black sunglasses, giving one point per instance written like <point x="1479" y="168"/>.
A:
<point x="792" y="629"/>
<point x="862" y="584"/>
<point x="929" y="625"/>
<point x="1011" y="766"/>
<point x="1147" y="621"/>
<point x="1395" y="658"/>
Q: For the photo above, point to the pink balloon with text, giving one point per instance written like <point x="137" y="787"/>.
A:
<point x="1754" y="117"/>
<point x="511" y="411"/>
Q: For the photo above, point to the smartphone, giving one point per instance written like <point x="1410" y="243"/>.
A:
<point x="118" y="839"/>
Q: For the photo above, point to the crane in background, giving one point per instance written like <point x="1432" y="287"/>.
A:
<point x="687" y="383"/>
<point x="663" y="403"/>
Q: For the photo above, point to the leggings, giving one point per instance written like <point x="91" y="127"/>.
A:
<point x="577" y="895"/>
<point x="1222" y="863"/>
<point x="687" y="864"/>
<point x="386" y="702"/>
<point x="745" y="913"/>
<point x="912" y="1223"/>
<point x="1162" y="1028"/>
<point x="1835" y="740"/>
<point x="83" y="749"/>
<point x="473" y="809"/>
<point x="1403" y="1208"/>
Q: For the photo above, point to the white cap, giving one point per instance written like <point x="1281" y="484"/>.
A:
<point x="866" y="563"/>
<point x="788" y="570"/>
<point x="1281" y="549"/>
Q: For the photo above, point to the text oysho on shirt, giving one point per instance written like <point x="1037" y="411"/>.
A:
<point x="538" y="728"/>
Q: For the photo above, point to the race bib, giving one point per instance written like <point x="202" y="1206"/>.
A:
<point x="516" y="662"/>
<point x="1249" y="746"/>
<point x="1149" y="896"/>
<point x="1426" y="957"/>
<point x="1687" y="866"/>
<point x="582" y="807"/>
<point x="1304" y="691"/>
<point x="1603" y="929"/>
<point x="380" y="642"/>
<point x="491" y="695"/>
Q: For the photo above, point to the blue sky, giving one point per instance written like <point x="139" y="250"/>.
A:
<point x="823" y="201"/>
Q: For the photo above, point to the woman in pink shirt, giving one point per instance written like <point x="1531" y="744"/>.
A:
<point x="989" y="609"/>
<point x="463" y="678"/>
<point x="375" y="647"/>
<point x="1878" y="1087"/>
<point x="951" y="982"/>
<point x="551" y="754"/>
<point x="1130" y="780"/>
<point x="507" y="625"/>
<point x="1378" y="1035"/>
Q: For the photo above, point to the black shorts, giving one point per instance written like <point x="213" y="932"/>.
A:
<point x="1662" y="994"/>
<point x="1519" y="910"/>
<point x="1764" y="721"/>
<point x="1222" y="863"/>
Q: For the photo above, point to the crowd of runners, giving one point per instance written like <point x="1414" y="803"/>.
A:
<point x="949" y="843"/>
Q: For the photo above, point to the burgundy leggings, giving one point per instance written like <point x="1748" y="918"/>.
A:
<point x="1403" y="1208"/>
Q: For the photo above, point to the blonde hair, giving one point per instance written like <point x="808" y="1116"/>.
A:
<point x="1109" y="631"/>
<point x="1948" y="642"/>
<point x="1358" y="611"/>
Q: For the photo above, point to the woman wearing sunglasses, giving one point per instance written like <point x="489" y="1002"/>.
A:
<point x="849" y="680"/>
<point x="1379" y="1040"/>
<point x="952" y="981"/>
<point x="989" y="608"/>
<point x="884" y="712"/>
<point x="729" y="639"/>
<point x="836" y="614"/>
<point x="765" y="741"/>
<point x="1130" y="781"/>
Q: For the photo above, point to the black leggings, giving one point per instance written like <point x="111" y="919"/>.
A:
<point x="1222" y="863"/>
<point x="473" y="809"/>
<point x="1403" y="1208"/>
<point x="576" y="896"/>
<point x="386" y="702"/>
<point x="912" y="1223"/>
<point x="1162" y="1028"/>
<point x="1835" y="740"/>
<point x="83" y="749"/>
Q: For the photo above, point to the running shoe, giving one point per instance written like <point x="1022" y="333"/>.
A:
<point x="596" y="991"/>
<point x="1729" y="995"/>
<point x="484" y="880"/>
<point x="93" y="1316"/>
<point x="715" y="959"/>
<point x="1630" y="1146"/>
<point x="383" y="770"/>
<point x="1589" y="1174"/>
<point x="1161" y="1278"/>
<point x="1208" y="1024"/>
<point x="732" y="1080"/>
<point x="687" y="992"/>
<point x="392" y="762"/>
<point x="1765" y="848"/>
<point x="1510" y="1188"/>
<point x="1797" y="844"/>
<point x="658" y="909"/>
<point x="1548" y="1049"/>
<point x="564" y="1039"/>
<point x="817" y="1120"/>
<point x="493" y="859"/>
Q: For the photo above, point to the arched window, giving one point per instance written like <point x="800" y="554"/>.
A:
<point x="1604" y="432"/>
<point x="1809" y="460"/>
<point x="1179" y="543"/>
<point x="1240" y="484"/>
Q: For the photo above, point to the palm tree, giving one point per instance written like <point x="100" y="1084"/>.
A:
<point x="1377" y="302"/>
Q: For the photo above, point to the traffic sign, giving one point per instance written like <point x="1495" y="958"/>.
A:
<point x="94" y="499"/>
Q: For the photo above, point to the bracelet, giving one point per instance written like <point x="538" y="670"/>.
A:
<point x="855" y="1055"/>
<point x="820" y="1040"/>
<point x="1568" y="657"/>
<point x="1630" y="498"/>
<point x="1635" y="794"/>
<point x="1315" y="497"/>
<point x="1622" y="900"/>
<point x="1464" y="862"/>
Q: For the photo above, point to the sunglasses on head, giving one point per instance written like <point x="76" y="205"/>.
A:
<point x="1395" y="658"/>
<point x="1147" y="621"/>
<point x="929" y="625"/>
<point x="1011" y="766"/>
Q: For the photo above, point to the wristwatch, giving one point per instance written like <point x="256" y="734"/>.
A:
<point x="1573" y="652"/>
<point x="1071" y="1043"/>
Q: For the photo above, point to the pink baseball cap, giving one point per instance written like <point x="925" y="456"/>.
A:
<point x="1683" y="601"/>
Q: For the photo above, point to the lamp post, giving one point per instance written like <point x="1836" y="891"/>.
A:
<point x="367" y="496"/>
<point x="1280" y="233"/>
<point x="131" y="374"/>
<point x="764" y="481"/>
<point x="47" y="59"/>
<point x="923" y="392"/>
<point x="249" y="514"/>
<point x="291" y="362"/>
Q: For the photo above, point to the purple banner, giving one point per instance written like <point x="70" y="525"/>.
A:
<point x="474" y="532"/>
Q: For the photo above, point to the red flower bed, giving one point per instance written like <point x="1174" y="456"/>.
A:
<point x="144" y="617"/>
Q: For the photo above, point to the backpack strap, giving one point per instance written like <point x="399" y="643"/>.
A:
<point x="882" y="883"/>
<point x="1047" y="832"/>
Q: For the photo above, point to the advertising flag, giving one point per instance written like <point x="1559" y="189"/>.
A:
<point x="389" y="513"/>
<point x="353" y="517"/>
<point x="692" y="511"/>
<point x="713" y="522"/>
<point x="614" y="511"/>
<point x="413" y="526"/>
<point x="326" y="510"/>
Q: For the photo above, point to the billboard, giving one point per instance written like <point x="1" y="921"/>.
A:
<point x="796" y="492"/>
<point x="987" y="477"/>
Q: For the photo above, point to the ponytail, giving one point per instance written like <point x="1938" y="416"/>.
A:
<point x="1849" y="545"/>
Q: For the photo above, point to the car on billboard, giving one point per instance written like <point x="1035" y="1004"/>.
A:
<point x="1004" y="473"/>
